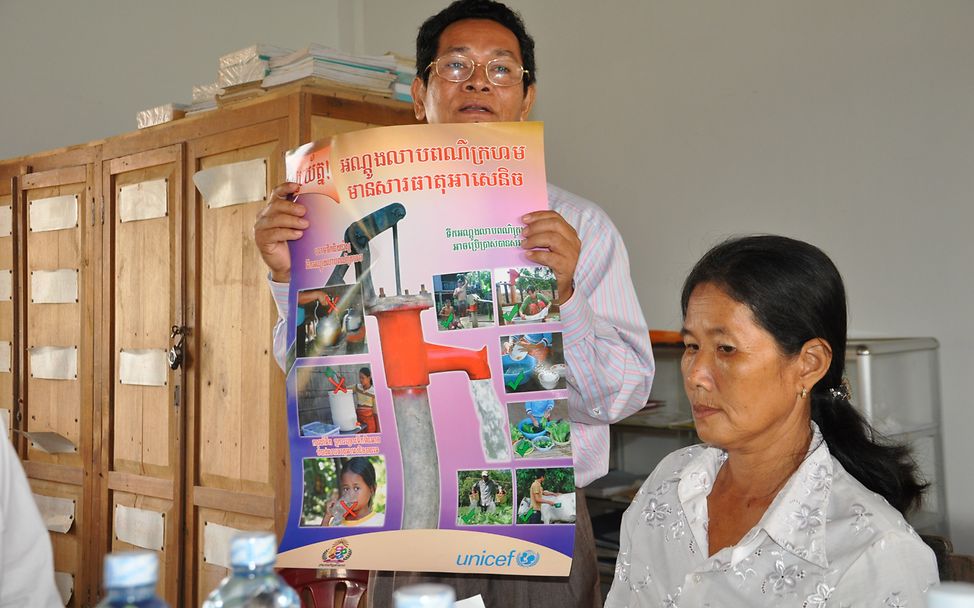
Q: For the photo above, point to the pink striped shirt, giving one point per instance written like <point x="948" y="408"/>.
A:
<point x="606" y="340"/>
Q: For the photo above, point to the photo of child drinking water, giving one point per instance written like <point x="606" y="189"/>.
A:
<point x="344" y="492"/>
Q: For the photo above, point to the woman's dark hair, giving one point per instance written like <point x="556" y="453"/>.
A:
<point x="361" y="466"/>
<point x="365" y="372"/>
<point x="796" y="294"/>
<point x="428" y="39"/>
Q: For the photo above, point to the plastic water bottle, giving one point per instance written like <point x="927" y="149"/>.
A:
<point x="130" y="580"/>
<point x="424" y="596"/>
<point x="253" y="583"/>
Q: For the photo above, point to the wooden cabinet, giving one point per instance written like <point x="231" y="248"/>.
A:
<point x="169" y="460"/>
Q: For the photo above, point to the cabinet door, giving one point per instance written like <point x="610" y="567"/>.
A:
<point x="57" y="388"/>
<point x="238" y="476"/>
<point x="141" y="431"/>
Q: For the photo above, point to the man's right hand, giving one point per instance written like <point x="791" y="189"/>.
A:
<point x="281" y="220"/>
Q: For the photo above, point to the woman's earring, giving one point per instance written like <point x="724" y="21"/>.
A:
<point x="804" y="392"/>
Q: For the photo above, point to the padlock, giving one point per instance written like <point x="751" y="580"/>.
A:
<point x="176" y="351"/>
<point x="176" y="355"/>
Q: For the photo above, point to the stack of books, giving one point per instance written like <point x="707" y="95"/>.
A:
<point x="366" y="74"/>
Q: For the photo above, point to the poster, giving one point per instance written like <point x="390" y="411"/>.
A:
<point x="425" y="369"/>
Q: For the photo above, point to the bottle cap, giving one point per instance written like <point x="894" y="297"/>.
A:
<point x="424" y="596"/>
<point x="253" y="549"/>
<point x="951" y="595"/>
<point x="131" y="569"/>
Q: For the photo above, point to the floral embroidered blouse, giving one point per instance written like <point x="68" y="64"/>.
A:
<point x="825" y="540"/>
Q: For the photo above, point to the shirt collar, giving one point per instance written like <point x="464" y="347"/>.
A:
<point x="796" y="518"/>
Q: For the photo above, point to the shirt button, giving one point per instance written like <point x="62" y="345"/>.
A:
<point x="596" y="411"/>
<point x="696" y="578"/>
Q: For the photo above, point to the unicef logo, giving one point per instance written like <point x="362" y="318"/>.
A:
<point x="527" y="559"/>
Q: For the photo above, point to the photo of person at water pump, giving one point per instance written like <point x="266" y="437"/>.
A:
<point x="462" y="300"/>
<point x="575" y="238"/>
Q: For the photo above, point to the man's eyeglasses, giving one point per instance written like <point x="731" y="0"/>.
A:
<point x="503" y="71"/>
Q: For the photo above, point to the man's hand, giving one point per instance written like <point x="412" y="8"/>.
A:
<point x="281" y="220"/>
<point x="552" y="242"/>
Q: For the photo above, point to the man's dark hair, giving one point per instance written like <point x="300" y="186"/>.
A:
<point x="428" y="39"/>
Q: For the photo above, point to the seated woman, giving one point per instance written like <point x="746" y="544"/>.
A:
<point x="790" y="502"/>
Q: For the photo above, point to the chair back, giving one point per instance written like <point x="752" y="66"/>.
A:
<point x="951" y="566"/>
<point x="327" y="588"/>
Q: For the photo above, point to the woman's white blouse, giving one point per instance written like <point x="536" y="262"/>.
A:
<point x="825" y="541"/>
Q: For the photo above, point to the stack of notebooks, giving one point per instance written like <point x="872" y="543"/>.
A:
<point x="374" y="75"/>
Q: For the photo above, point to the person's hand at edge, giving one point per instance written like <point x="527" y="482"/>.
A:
<point x="279" y="221"/>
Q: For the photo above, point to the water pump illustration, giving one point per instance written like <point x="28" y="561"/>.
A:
<point x="409" y="361"/>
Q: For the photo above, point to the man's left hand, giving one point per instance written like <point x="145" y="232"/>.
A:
<point x="552" y="242"/>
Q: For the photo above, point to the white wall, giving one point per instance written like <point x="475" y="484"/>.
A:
<point x="77" y="71"/>
<point x="848" y="124"/>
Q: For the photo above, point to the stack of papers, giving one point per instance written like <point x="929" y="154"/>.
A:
<point x="160" y="114"/>
<point x="247" y="64"/>
<point x="367" y="74"/>
<point x="204" y="97"/>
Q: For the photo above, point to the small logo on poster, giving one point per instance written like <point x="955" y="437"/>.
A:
<point x="528" y="559"/>
<point x="336" y="554"/>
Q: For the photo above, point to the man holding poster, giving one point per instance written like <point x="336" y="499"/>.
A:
<point x="475" y="63"/>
